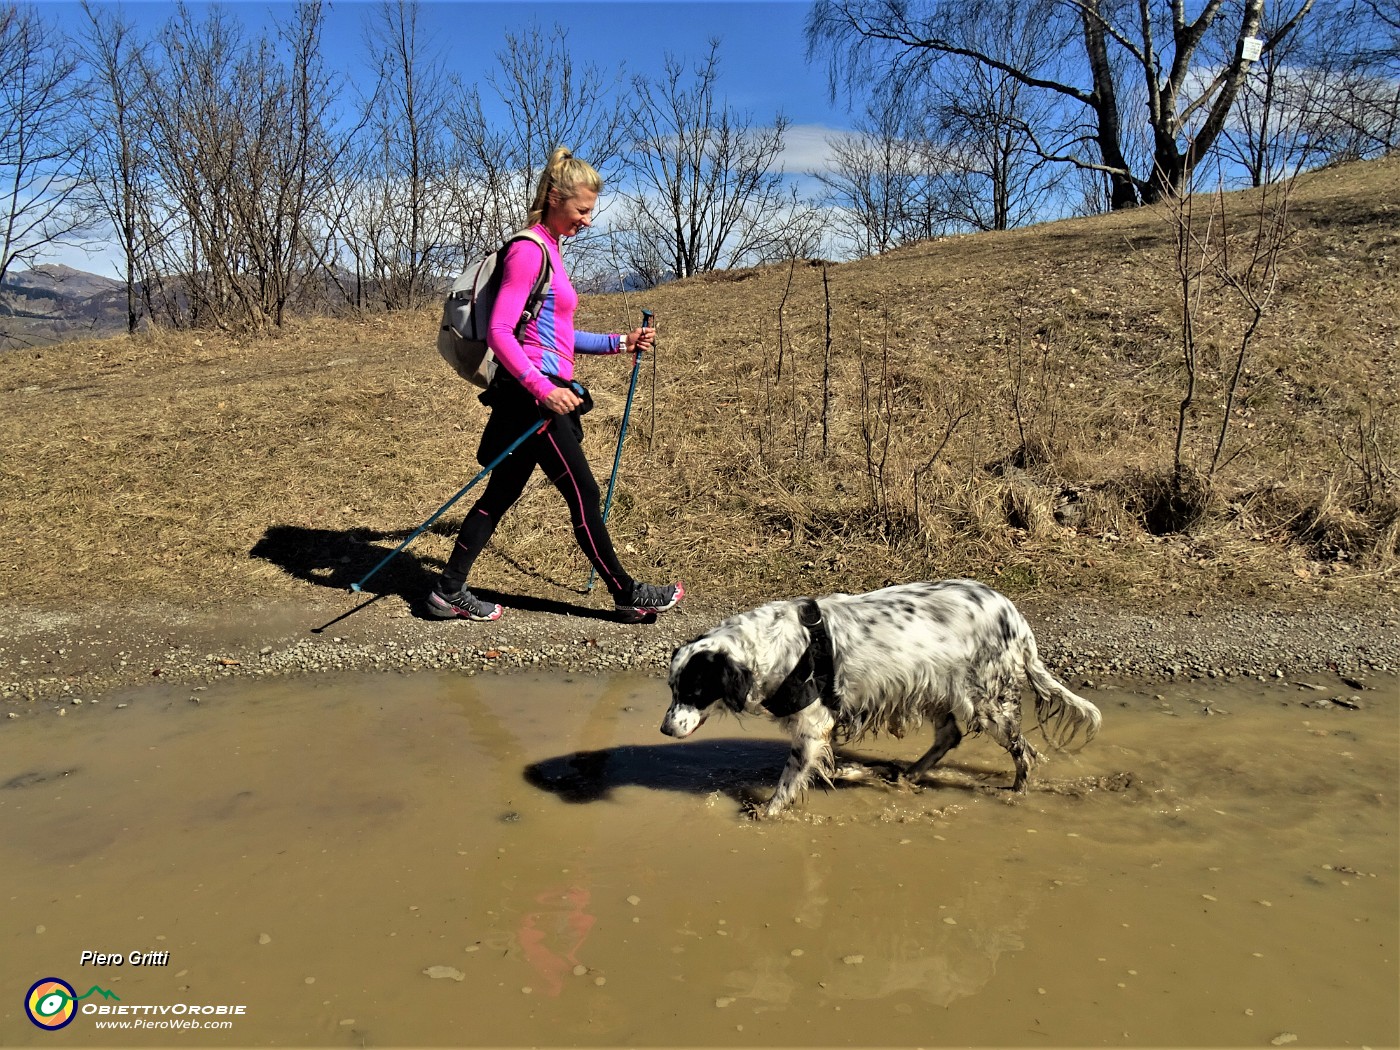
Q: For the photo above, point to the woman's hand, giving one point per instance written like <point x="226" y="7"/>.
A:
<point x="561" y="401"/>
<point x="639" y="339"/>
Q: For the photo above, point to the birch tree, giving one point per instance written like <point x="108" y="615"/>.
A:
<point x="1098" y="61"/>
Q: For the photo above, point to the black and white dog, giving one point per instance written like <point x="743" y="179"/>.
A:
<point x="954" y="652"/>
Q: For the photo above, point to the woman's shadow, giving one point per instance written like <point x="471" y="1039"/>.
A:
<point x="338" y="558"/>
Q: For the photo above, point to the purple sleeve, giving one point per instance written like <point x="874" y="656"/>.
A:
<point x="518" y="272"/>
<point x="594" y="343"/>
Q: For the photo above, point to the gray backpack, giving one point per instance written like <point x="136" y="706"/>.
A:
<point x="467" y="312"/>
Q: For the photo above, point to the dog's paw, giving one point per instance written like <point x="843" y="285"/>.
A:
<point x="756" y="810"/>
<point x="752" y="810"/>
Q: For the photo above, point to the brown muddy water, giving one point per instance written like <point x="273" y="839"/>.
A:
<point x="502" y="861"/>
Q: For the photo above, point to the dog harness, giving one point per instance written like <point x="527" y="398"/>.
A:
<point x="814" y="676"/>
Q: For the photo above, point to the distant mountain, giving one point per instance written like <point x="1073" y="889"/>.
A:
<point x="51" y="303"/>
<point x="63" y="281"/>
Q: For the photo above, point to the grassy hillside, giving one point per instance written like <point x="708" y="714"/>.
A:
<point x="1002" y="405"/>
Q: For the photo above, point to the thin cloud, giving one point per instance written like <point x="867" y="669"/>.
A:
<point x="806" y="148"/>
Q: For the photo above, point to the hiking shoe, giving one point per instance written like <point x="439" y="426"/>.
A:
<point x="649" y="598"/>
<point x="461" y="604"/>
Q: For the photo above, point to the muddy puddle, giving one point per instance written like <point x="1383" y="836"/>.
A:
<point x="503" y="861"/>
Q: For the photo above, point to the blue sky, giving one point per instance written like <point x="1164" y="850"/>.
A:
<point x="762" y="48"/>
<point x="763" y="69"/>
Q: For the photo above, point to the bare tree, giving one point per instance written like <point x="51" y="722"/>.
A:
<point x="43" y="140"/>
<point x="552" y="102"/>
<point x="1360" y="106"/>
<point x="347" y="262"/>
<point x="950" y="151"/>
<point x="1227" y="271"/>
<point x="297" y="161"/>
<point x="121" y="167"/>
<point x="992" y="177"/>
<point x="796" y="230"/>
<point x="879" y="178"/>
<point x="403" y="202"/>
<point x="1093" y="54"/>
<point x="318" y="158"/>
<point x="1325" y="95"/>
<point x="1266" y="135"/>
<point x="242" y="145"/>
<point x="192" y="102"/>
<point x="707" y="184"/>
<point x="487" y="190"/>
<point x="647" y="259"/>
<point x="930" y="157"/>
<point x="1383" y="19"/>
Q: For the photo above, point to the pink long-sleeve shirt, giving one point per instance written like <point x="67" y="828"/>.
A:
<point x="548" y="343"/>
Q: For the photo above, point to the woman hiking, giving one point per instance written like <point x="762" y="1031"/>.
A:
<point x="533" y="381"/>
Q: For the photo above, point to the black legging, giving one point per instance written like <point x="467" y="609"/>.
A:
<point x="558" y="451"/>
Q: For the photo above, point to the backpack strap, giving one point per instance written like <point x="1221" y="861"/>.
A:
<point x="535" y="303"/>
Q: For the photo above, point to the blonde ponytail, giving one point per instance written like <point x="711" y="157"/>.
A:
<point x="563" y="176"/>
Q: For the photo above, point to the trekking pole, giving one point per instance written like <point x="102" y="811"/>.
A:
<point x="535" y="428"/>
<point x="617" y="456"/>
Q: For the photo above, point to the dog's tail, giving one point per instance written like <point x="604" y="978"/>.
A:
<point x="1061" y="713"/>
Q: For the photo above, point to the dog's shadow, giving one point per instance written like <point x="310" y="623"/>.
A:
<point x="696" y="767"/>
<point x="337" y="558"/>
<point x="745" y="771"/>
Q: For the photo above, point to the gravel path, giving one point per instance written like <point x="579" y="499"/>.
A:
<point x="48" y="657"/>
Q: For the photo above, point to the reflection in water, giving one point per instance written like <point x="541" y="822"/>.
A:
<point x="313" y="849"/>
<point x="552" y="936"/>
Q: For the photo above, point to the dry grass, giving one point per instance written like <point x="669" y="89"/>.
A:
<point x="1000" y="406"/>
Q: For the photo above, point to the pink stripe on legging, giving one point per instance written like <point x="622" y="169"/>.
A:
<point x="597" y="558"/>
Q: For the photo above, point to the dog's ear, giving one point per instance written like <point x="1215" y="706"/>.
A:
<point x="711" y="677"/>
<point x="736" y="682"/>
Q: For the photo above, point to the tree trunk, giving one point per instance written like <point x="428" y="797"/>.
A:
<point x="1104" y="102"/>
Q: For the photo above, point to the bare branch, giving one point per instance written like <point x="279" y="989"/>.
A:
<point x="44" y="197"/>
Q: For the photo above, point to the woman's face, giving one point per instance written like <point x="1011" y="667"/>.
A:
<point x="566" y="218"/>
